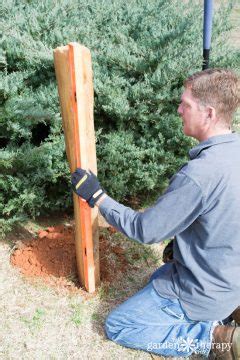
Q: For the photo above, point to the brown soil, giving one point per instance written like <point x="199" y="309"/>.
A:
<point x="52" y="257"/>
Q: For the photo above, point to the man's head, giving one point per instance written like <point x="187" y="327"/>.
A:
<point x="208" y="103"/>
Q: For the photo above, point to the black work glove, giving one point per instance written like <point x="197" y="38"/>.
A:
<point x="86" y="185"/>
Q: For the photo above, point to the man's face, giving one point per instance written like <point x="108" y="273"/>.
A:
<point x="194" y="116"/>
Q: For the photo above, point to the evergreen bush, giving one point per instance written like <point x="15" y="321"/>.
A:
<point x="141" y="51"/>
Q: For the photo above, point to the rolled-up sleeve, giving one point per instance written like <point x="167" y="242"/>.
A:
<point x="172" y="213"/>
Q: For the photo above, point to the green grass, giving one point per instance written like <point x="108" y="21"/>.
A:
<point x="79" y="316"/>
<point x="36" y="321"/>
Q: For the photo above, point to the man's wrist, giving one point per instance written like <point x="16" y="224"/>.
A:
<point x="100" y="200"/>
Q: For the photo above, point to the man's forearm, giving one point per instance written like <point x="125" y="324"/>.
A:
<point x="172" y="213"/>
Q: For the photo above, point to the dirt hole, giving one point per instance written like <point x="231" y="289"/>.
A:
<point x="52" y="257"/>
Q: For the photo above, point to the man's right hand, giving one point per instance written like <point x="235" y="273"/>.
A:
<point x="86" y="185"/>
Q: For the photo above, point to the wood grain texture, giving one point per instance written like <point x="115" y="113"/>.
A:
<point x="75" y="87"/>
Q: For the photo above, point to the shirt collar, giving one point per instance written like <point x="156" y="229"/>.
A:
<point x="214" y="140"/>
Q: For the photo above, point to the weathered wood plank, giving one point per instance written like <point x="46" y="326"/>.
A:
<point x="75" y="86"/>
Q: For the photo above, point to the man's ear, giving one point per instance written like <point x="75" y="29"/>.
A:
<point x="211" y="115"/>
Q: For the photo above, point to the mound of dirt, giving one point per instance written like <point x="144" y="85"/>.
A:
<point x="52" y="257"/>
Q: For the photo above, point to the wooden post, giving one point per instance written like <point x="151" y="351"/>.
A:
<point x="75" y="87"/>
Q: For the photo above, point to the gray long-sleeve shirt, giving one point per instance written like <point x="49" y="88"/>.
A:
<point x="201" y="207"/>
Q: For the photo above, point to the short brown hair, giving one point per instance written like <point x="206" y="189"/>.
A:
<point x="219" y="88"/>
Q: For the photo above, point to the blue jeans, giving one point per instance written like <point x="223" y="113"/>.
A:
<point x="149" y="322"/>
